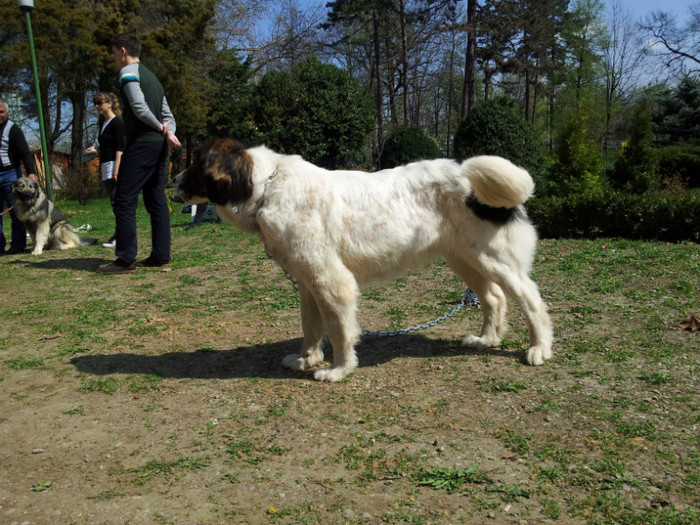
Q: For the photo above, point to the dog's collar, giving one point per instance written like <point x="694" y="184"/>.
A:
<point x="272" y="176"/>
<point x="261" y="201"/>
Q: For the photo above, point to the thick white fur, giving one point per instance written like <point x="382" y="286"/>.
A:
<point x="336" y="230"/>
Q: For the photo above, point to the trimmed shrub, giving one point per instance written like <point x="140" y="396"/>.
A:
<point x="661" y="215"/>
<point x="407" y="144"/>
<point x="496" y="127"/>
<point x="318" y="111"/>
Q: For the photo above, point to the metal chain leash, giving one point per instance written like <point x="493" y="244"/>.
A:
<point x="469" y="299"/>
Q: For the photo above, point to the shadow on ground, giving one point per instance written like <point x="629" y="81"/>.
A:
<point x="86" y="264"/>
<point x="264" y="360"/>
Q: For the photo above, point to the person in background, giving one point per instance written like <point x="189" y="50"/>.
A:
<point x="111" y="146"/>
<point x="14" y="151"/>
<point x="149" y="129"/>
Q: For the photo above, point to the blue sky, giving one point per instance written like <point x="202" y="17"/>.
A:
<point x="641" y="8"/>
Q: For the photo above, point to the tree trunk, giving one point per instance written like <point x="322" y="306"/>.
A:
<point x="76" y="138"/>
<point x="404" y="61"/>
<point x="378" y="88"/>
<point x="468" y="92"/>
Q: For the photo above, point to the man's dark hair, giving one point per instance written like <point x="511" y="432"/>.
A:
<point x="128" y="41"/>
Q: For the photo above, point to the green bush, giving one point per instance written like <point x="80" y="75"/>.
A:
<point x="318" y="111"/>
<point x="496" y="127"/>
<point x="680" y="162"/>
<point x="660" y="215"/>
<point x="407" y="144"/>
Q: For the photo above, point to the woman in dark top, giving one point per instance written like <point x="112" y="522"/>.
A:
<point x="111" y="145"/>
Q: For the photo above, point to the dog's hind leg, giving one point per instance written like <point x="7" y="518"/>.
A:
<point x="312" y="326"/>
<point x="336" y="294"/>
<point x="41" y="237"/>
<point x="523" y="290"/>
<point x="493" y="306"/>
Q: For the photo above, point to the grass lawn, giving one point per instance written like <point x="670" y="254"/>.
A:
<point x="158" y="397"/>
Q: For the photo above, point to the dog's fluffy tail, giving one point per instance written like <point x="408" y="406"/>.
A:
<point x="87" y="241"/>
<point x="498" y="182"/>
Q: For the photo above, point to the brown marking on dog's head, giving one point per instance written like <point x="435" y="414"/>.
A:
<point x="221" y="172"/>
<point x="25" y="190"/>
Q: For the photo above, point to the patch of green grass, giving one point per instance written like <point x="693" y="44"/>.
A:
<point x="169" y="469"/>
<point x="515" y="442"/>
<point x="75" y="411"/>
<point x="655" y="378"/>
<point x="451" y="478"/>
<point x="106" y="386"/>
<point x="42" y="486"/>
<point x="645" y="429"/>
<point x="498" y="387"/>
<point x="22" y="363"/>
<point x="143" y="383"/>
<point x="509" y="493"/>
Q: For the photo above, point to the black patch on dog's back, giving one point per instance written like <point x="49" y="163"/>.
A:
<point x="499" y="216"/>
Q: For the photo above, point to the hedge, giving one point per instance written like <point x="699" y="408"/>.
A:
<point x="668" y="216"/>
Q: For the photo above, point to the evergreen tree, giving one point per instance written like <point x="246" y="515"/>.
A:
<point x="229" y="92"/>
<point x="636" y="169"/>
<point x="677" y="118"/>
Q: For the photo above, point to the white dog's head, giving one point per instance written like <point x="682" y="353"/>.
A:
<point x="221" y="173"/>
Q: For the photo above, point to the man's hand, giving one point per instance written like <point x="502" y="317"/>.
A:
<point x="169" y="135"/>
<point x="33" y="177"/>
<point x="173" y="141"/>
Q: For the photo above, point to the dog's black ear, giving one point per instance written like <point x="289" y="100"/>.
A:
<point x="228" y="172"/>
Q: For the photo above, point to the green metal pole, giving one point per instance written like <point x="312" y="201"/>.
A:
<point x="42" y="129"/>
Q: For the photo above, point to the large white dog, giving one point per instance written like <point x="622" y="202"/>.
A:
<point x="335" y="230"/>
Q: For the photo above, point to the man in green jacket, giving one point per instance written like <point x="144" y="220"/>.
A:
<point x="149" y="129"/>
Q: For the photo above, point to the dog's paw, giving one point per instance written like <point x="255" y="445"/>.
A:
<point x="537" y="355"/>
<point x="296" y="362"/>
<point x="332" y="374"/>
<point x="37" y="251"/>
<point x="480" y="343"/>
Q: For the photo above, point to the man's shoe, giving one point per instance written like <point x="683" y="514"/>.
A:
<point x="111" y="243"/>
<point x="150" y="262"/>
<point x="13" y="251"/>
<point x="176" y="198"/>
<point x="116" y="268"/>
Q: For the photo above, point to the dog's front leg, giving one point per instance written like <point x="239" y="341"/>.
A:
<point x="338" y="305"/>
<point x="312" y="325"/>
<point x="41" y="237"/>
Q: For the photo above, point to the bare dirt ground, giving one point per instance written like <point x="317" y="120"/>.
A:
<point x="158" y="397"/>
